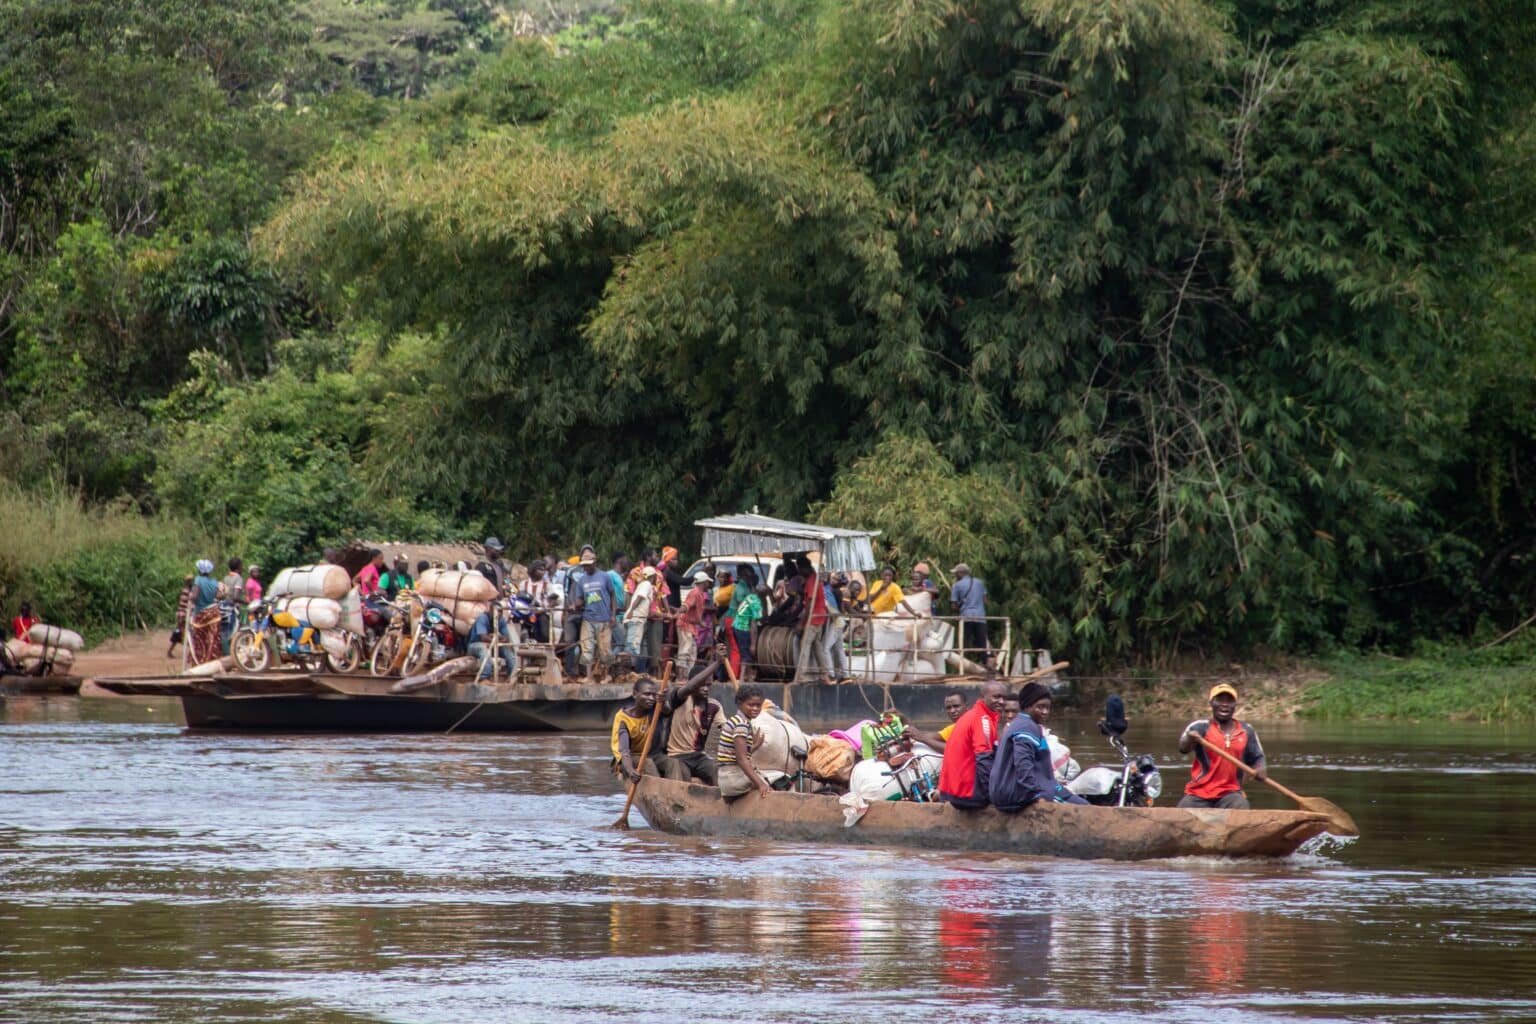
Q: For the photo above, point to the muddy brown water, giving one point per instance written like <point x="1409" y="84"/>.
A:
<point x="151" y="875"/>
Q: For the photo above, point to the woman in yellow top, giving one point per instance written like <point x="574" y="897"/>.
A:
<point x="885" y="595"/>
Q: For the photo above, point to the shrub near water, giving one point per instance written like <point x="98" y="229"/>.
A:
<point x="95" y="570"/>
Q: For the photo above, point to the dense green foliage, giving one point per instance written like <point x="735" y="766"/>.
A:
<point x="1190" y="324"/>
<point x="95" y="569"/>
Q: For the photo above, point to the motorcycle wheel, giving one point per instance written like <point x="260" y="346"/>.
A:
<point x="349" y="661"/>
<point x="250" y="651"/>
<point x="416" y="658"/>
<point x="384" y="653"/>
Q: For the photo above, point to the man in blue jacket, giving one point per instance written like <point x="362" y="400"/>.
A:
<point x="1021" y="771"/>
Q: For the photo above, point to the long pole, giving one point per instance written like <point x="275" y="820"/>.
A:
<point x="645" y="748"/>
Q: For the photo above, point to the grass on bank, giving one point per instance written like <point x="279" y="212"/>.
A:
<point x="97" y="570"/>
<point x="1438" y="682"/>
<point x="1475" y="685"/>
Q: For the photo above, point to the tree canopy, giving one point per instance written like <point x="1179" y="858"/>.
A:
<point x="1190" y="324"/>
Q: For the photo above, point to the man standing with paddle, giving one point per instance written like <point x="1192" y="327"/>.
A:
<point x="1216" y="781"/>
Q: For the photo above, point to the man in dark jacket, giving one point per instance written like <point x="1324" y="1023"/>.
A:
<point x="968" y="754"/>
<point x="1022" y="772"/>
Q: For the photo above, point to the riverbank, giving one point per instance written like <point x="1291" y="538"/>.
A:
<point x="1447" y="684"/>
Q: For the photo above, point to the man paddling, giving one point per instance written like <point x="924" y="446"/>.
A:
<point x="628" y="736"/>
<point x="968" y="754"/>
<point x="1215" y="782"/>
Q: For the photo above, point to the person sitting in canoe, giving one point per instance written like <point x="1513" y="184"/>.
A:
<point x="738" y="739"/>
<point x="1007" y="715"/>
<point x="1213" y="781"/>
<point x="1023" y="771"/>
<point x="694" y="711"/>
<point x="968" y="754"/>
<point x="954" y="707"/>
<point x="628" y="736"/>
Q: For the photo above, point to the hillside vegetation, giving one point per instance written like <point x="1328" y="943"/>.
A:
<point x="1192" y="325"/>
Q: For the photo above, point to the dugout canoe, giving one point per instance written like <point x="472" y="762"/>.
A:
<point x="1052" y="830"/>
<point x="18" y="685"/>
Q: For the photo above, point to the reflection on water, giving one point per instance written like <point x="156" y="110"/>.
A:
<point x="148" y="875"/>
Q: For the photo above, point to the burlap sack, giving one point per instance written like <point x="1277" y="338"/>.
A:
<point x="830" y="758"/>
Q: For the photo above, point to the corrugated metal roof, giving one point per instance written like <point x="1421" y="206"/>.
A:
<point x="842" y="550"/>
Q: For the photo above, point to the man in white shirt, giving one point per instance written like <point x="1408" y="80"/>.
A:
<point x="637" y="614"/>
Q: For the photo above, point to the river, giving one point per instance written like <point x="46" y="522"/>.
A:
<point x="151" y="875"/>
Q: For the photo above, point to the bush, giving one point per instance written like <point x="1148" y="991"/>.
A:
<point x="97" y="570"/>
<point x="127" y="584"/>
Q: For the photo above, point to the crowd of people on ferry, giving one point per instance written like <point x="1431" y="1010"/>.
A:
<point x="648" y="611"/>
<point x="633" y="614"/>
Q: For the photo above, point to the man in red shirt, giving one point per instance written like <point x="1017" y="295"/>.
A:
<point x="968" y="753"/>
<point x="814" y="622"/>
<point x="22" y="624"/>
<point x="1215" y="782"/>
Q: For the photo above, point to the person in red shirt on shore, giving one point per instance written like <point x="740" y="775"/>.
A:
<point x="22" y="624"/>
<point x="968" y="753"/>
<point x="1213" y="781"/>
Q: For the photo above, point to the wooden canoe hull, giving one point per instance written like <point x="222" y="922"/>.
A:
<point x="1053" y="830"/>
<point x="23" y="685"/>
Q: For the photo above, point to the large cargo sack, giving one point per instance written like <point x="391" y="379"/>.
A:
<point x="444" y="585"/>
<point x="320" y="580"/>
<point x="465" y="613"/>
<point x="53" y="636"/>
<point x="320" y="612"/>
<point x="830" y="758"/>
<point x="351" y="618"/>
<point x="21" y="650"/>
<point x="335" y="646"/>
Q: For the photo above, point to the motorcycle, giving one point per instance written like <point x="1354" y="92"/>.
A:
<point x="522" y="613"/>
<point x="272" y="633"/>
<point x="433" y="639"/>
<point x="396" y="637"/>
<point x="1135" y="782"/>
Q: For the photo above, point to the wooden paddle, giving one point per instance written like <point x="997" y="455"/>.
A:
<point x="1339" y="821"/>
<point x="645" y="748"/>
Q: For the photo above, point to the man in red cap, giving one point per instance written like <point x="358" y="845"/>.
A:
<point x="1214" y="781"/>
<point x="963" y="780"/>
